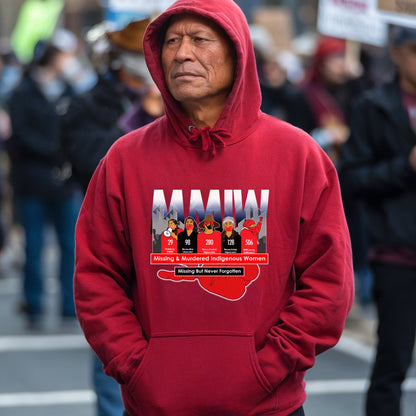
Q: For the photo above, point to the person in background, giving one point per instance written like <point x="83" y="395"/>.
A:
<point x="41" y="180"/>
<point x="5" y="133"/>
<point x="378" y="166"/>
<point x="5" y="125"/>
<point x="122" y="100"/>
<point x="281" y="98"/>
<point x="11" y="70"/>
<point x="329" y="90"/>
<point x="211" y="345"/>
<point x="78" y="70"/>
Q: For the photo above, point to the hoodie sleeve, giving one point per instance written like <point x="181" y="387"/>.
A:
<point x="104" y="274"/>
<point x="314" y="317"/>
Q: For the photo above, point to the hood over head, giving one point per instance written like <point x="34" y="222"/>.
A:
<point x="325" y="48"/>
<point x="243" y="105"/>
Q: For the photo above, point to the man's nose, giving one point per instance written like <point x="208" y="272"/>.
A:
<point x="185" y="50"/>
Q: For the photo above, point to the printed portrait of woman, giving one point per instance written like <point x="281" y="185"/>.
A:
<point x="188" y="240"/>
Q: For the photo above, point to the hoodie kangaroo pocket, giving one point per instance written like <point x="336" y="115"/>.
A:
<point x="199" y="374"/>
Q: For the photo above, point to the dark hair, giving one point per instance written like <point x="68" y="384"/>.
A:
<point x="400" y="35"/>
<point x="44" y="53"/>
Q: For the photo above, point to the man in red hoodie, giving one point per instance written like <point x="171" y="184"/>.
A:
<point x="178" y="331"/>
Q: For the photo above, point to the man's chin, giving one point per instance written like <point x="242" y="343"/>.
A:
<point x="188" y="94"/>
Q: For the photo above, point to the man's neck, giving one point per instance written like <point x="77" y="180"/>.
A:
<point x="204" y="114"/>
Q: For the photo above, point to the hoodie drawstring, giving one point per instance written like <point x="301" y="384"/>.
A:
<point x="209" y="138"/>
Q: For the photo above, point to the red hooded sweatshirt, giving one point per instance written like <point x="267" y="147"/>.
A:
<point x="212" y="334"/>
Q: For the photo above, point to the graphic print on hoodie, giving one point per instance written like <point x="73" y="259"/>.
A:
<point x="222" y="256"/>
<point x="203" y="258"/>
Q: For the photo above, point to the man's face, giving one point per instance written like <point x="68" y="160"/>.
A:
<point x="198" y="61"/>
<point x="404" y="57"/>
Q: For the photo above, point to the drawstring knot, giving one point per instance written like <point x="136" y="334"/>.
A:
<point x="209" y="138"/>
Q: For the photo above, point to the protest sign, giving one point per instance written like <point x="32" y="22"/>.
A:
<point x="121" y="12"/>
<point x="37" y="20"/>
<point x="355" y="20"/>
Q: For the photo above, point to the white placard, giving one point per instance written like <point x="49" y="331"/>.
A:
<point x="140" y="6"/>
<point x="356" y="20"/>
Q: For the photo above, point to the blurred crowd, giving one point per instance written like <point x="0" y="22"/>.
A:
<point x="61" y="111"/>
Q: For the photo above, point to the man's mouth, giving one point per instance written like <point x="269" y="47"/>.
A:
<point x="184" y="75"/>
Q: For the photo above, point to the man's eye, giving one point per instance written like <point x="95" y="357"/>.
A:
<point x="171" y="41"/>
